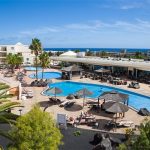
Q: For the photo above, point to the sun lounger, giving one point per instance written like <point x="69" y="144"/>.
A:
<point x="144" y="112"/>
<point x="125" y="123"/>
<point x="27" y="95"/>
<point x="69" y="104"/>
<point x="134" y="85"/>
<point x="27" y="91"/>
<point x="55" y="100"/>
<point x="64" y="103"/>
<point x="82" y="121"/>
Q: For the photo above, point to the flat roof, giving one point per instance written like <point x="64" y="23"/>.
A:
<point x="137" y="64"/>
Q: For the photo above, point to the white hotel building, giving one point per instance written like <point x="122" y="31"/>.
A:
<point x="18" y="48"/>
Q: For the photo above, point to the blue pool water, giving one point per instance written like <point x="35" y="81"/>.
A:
<point x="136" y="101"/>
<point x="31" y="68"/>
<point x="46" y="75"/>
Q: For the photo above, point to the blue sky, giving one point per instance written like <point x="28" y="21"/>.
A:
<point x="76" y="23"/>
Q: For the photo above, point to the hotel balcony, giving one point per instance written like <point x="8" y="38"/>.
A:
<point x="3" y="49"/>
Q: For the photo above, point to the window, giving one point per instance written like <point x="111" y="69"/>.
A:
<point x="12" y="48"/>
<point x="20" y="54"/>
<point x="27" y="59"/>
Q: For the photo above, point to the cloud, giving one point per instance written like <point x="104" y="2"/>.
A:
<point x="134" y="5"/>
<point x="39" y="31"/>
<point x="137" y="26"/>
<point x="94" y="32"/>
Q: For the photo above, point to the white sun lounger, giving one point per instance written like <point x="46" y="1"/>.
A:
<point x="64" y="103"/>
<point x="125" y="123"/>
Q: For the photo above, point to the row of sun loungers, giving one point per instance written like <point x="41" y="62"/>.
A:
<point x="35" y="83"/>
<point x="122" y="123"/>
<point x="39" y="83"/>
<point x="62" y="103"/>
<point x="84" y="118"/>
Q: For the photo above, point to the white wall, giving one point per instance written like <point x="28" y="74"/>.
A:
<point x="23" y="49"/>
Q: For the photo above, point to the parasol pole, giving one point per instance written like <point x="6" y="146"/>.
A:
<point x="55" y="93"/>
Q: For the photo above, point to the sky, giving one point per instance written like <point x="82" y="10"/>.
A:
<point x="76" y="23"/>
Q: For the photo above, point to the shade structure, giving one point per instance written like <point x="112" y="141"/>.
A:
<point x="54" y="90"/>
<point x="84" y="92"/>
<point x="69" y="54"/>
<point x="102" y="70"/>
<point x="114" y="96"/>
<point x="71" y="68"/>
<point x="115" y="107"/>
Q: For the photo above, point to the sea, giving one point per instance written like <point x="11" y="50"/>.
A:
<point x="117" y="50"/>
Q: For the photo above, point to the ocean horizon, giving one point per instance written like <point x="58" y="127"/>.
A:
<point x="128" y="50"/>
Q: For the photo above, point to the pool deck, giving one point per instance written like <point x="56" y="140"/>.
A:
<point x="76" y="109"/>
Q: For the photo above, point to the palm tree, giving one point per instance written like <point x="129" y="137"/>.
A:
<point x="10" y="58"/>
<point x="19" y="60"/>
<point x="36" y="48"/>
<point x="44" y="61"/>
<point x="13" y="60"/>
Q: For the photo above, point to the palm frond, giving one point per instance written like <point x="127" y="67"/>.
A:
<point x="8" y="118"/>
<point x="9" y="105"/>
<point x="6" y="96"/>
<point x="4" y="100"/>
<point x="4" y="86"/>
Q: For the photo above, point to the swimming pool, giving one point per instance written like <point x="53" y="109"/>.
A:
<point x="136" y="101"/>
<point x="46" y="75"/>
<point x="32" y="68"/>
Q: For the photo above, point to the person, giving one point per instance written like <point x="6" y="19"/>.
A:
<point x="25" y="71"/>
